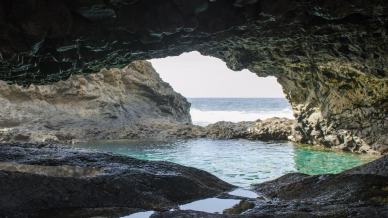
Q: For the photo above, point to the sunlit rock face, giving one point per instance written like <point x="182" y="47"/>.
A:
<point x="330" y="56"/>
<point x="109" y="104"/>
<point x="340" y="107"/>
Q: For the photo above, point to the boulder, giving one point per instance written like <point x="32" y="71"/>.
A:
<point x="39" y="179"/>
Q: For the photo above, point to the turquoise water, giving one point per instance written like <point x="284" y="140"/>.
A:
<point x="313" y="162"/>
<point x="239" y="162"/>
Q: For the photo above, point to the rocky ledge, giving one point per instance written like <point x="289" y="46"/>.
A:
<point x="269" y="129"/>
<point x="39" y="180"/>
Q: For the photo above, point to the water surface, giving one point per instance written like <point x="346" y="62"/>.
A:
<point x="239" y="162"/>
<point x="210" y="205"/>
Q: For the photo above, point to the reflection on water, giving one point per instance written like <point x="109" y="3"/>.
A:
<point x="239" y="192"/>
<point x="210" y="205"/>
<point x="239" y="162"/>
<point x="145" y="214"/>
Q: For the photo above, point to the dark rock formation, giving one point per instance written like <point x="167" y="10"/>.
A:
<point x="39" y="179"/>
<point x="379" y="167"/>
<point x="330" y="56"/>
<point x="129" y="103"/>
<point x="360" y="192"/>
<point x="348" y="194"/>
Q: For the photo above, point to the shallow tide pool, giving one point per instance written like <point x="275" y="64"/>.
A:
<point x="239" y="162"/>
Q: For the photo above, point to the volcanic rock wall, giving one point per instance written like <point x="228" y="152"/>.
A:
<point x="330" y="56"/>
<point x="339" y="106"/>
<point x="110" y="104"/>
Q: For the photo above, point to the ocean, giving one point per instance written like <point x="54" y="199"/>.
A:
<point x="205" y="111"/>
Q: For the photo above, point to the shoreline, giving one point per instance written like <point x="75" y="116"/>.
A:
<point x="271" y="129"/>
<point x="43" y="156"/>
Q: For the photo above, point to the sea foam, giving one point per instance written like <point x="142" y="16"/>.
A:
<point x="205" y="117"/>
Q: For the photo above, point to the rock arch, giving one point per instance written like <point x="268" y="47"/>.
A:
<point x="330" y="56"/>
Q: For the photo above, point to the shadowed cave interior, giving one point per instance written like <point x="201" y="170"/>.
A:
<point x="72" y="71"/>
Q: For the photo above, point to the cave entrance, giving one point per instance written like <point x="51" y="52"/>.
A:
<point x="217" y="93"/>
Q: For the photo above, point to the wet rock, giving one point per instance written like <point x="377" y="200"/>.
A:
<point x="283" y="181"/>
<point x="51" y="180"/>
<point x="326" y="188"/>
<point x="86" y="212"/>
<point x="378" y="167"/>
<point x="243" y="206"/>
<point x="359" y="192"/>
<point x="118" y="182"/>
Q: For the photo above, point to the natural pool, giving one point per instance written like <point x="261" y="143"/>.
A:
<point x="239" y="162"/>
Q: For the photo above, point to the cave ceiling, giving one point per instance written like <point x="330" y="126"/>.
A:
<point x="46" y="41"/>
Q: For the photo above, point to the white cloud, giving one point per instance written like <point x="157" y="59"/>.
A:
<point x="195" y="75"/>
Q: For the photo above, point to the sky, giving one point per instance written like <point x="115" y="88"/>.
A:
<point x="194" y="75"/>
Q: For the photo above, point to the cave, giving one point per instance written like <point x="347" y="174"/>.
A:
<point x="330" y="57"/>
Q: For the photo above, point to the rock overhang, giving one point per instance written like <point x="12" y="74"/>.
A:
<point x="329" y="56"/>
<point x="45" y="41"/>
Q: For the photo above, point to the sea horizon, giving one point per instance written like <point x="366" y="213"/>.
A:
<point x="205" y="111"/>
